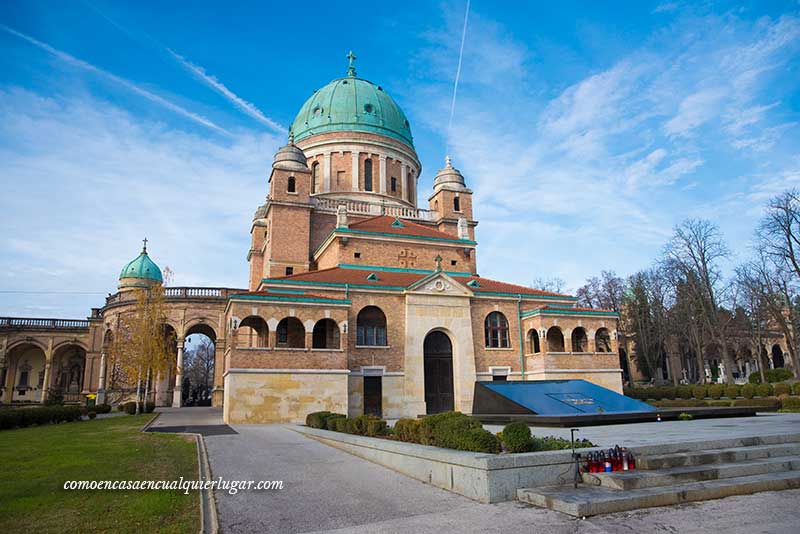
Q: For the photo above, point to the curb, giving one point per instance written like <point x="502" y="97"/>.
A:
<point x="150" y="422"/>
<point x="209" y="522"/>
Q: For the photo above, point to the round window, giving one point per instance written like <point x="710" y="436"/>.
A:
<point x="368" y="108"/>
<point x="317" y="111"/>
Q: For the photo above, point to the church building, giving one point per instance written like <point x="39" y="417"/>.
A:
<point x="358" y="299"/>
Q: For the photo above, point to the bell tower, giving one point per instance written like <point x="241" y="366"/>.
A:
<point x="452" y="202"/>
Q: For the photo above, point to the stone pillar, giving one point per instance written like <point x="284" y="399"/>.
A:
<point x="404" y="181"/>
<point x="326" y="172"/>
<point x="178" y="391"/>
<point x="382" y="160"/>
<point x="217" y="392"/>
<point x="101" y="384"/>
<point x="355" y="170"/>
<point x="48" y="360"/>
<point x="567" y="340"/>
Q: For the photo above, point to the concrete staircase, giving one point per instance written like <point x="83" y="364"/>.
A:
<point x="674" y="474"/>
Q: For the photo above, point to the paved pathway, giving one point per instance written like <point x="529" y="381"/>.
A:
<point x="327" y="490"/>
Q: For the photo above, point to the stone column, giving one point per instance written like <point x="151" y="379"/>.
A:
<point x="326" y="172"/>
<point x="48" y="360"/>
<point x="404" y="181"/>
<point x="178" y="391"/>
<point x="382" y="160"/>
<point x="101" y="385"/>
<point x="355" y="170"/>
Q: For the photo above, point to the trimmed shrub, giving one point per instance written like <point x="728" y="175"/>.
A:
<point x="764" y="390"/>
<point x="777" y="375"/>
<point x="796" y="388"/>
<point x="317" y="419"/>
<point x="754" y="378"/>
<point x="669" y="392"/>
<point x="680" y="403"/>
<point x="516" y="437"/>
<point x="407" y="430"/>
<point x="699" y="392"/>
<point x="376" y="427"/>
<point x="759" y="403"/>
<point x="360" y="424"/>
<point x="715" y="391"/>
<point x="732" y="391"/>
<point x="102" y="408"/>
<point x="748" y="391"/>
<point x="479" y="440"/>
<point x="782" y="389"/>
<point x="454" y="430"/>
<point x="791" y="403"/>
<point x="684" y="392"/>
<point x="342" y="423"/>
<point x="551" y="443"/>
<point x="92" y="415"/>
<point x="330" y="422"/>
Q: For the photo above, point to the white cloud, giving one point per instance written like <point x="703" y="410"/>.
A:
<point x="86" y="181"/>
<point x="248" y="107"/>
<point x="149" y="95"/>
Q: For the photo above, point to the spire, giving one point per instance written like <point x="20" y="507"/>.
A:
<point x="144" y="246"/>
<point x="448" y="163"/>
<point x="291" y="137"/>
<point x="351" y="68"/>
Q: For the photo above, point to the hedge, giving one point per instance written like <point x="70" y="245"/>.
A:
<point x="732" y="391"/>
<point x="102" y="408"/>
<point x="764" y="390"/>
<point x="330" y="422"/>
<point x="782" y="389"/>
<point x="748" y="391"/>
<point x="715" y="391"/>
<point x="130" y="407"/>
<point x="796" y="388"/>
<point x="772" y="375"/>
<point x="759" y="403"/>
<point x="791" y="403"/>
<point x="684" y="392"/>
<point x="699" y="392"/>
<point x="407" y="430"/>
<point x="317" y="419"/>
<point x="40" y="415"/>
<point x="516" y="437"/>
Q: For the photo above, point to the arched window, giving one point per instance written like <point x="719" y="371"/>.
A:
<point x="291" y="185"/>
<point x="580" y="342"/>
<point x="533" y="342"/>
<point x="496" y="331"/>
<point x="371" y="327"/>
<point x="602" y="340"/>
<point x="325" y="335"/>
<point x="314" y="177"/>
<point x="252" y="332"/>
<point x="555" y="340"/>
<point x="456" y="204"/>
<point x="367" y="175"/>
<point x="291" y="333"/>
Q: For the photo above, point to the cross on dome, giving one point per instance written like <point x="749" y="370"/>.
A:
<point x="144" y="246"/>
<point x="351" y="68"/>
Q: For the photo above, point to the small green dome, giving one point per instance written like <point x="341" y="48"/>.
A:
<point x="141" y="268"/>
<point x="352" y="104"/>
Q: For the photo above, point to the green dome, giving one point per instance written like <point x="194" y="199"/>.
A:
<point x="143" y="268"/>
<point x="352" y="104"/>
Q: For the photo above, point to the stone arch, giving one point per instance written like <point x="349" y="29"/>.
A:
<point x="26" y="369"/>
<point x="325" y="335"/>
<point x="534" y="346"/>
<point x="253" y="332"/>
<point x="580" y="341"/>
<point x="291" y="333"/>
<point x="26" y="341"/>
<point x="555" y="339"/>
<point x="67" y="370"/>
<point x="602" y="340"/>
<point x="201" y="326"/>
<point x="69" y="342"/>
<point x="371" y="327"/>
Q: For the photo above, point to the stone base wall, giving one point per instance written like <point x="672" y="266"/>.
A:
<point x="282" y="396"/>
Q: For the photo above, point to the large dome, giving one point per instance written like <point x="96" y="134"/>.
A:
<point x="140" y="272"/>
<point x="352" y="104"/>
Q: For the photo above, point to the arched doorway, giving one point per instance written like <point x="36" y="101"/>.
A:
<point x="438" y="357"/>
<point x="777" y="357"/>
<point x="199" y="353"/>
<point x="67" y="370"/>
<point x="25" y="374"/>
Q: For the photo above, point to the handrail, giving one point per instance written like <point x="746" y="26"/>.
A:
<point x="36" y="323"/>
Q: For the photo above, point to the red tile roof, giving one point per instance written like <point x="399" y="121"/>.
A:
<point x="383" y="224"/>
<point x="340" y="275"/>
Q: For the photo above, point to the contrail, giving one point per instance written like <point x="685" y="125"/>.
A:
<point x="458" y="76"/>
<point x="244" y="105"/>
<point x="113" y="77"/>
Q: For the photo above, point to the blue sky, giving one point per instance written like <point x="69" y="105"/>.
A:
<point x="586" y="129"/>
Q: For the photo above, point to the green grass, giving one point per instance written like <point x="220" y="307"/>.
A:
<point x="35" y="463"/>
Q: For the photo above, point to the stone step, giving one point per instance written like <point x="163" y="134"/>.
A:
<point x="587" y="501"/>
<point x="717" y="456"/>
<point x="637" y="479"/>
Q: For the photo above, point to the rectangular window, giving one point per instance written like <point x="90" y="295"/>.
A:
<point x="456" y="204"/>
<point x="394" y="184"/>
<point x="453" y="263"/>
<point x="499" y="378"/>
<point x="283" y="333"/>
<point x="289" y="270"/>
<point x="357" y="255"/>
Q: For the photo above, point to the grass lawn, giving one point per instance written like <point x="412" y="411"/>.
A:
<point x="35" y="462"/>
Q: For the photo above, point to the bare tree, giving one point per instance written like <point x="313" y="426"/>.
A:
<point x="603" y="292"/>
<point x="696" y="250"/>
<point x="553" y="284"/>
